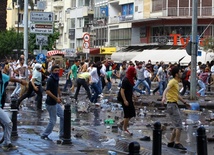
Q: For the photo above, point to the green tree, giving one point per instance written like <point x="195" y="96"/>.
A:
<point x="208" y="44"/>
<point x="51" y="41"/>
<point x="10" y="42"/>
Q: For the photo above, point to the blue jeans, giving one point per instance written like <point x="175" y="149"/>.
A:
<point x="109" y="84"/>
<point x="162" y="86"/>
<point x="5" y="120"/>
<point x="95" y="87"/>
<point x="54" y="110"/>
<point x="144" y="84"/>
<point x="68" y="82"/>
<point x="16" y="90"/>
<point x="100" y="86"/>
<point x="203" y="88"/>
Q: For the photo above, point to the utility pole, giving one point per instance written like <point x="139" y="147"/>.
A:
<point x="26" y="30"/>
<point x="18" y="49"/>
<point x="194" y="45"/>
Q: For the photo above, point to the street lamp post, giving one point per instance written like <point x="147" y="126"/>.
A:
<point x="18" y="29"/>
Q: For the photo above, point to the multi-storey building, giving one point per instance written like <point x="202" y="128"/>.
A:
<point x="119" y="23"/>
<point x="15" y="14"/>
<point x="160" y="22"/>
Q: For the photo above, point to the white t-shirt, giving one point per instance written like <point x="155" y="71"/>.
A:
<point x="23" y="71"/>
<point x="37" y="76"/>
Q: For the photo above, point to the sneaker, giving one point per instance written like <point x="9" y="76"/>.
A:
<point x="145" y="138"/>
<point x="9" y="147"/>
<point x="143" y="92"/>
<point x="97" y="104"/>
<point x="126" y="132"/>
<point x="198" y="94"/>
<point x="179" y="146"/>
<point x="46" y="138"/>
<point x="171" y="144"/>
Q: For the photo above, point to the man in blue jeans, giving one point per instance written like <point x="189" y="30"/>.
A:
<point x="4" y="118"/>
<point x="141" y="79"/>
<point x="53" y="104"/>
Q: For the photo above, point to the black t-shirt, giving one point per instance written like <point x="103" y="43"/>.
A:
<point x="128" y="89"/>
<point x="52" y="85"/>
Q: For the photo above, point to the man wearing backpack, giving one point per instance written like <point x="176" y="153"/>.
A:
<point x="185" y="79"/>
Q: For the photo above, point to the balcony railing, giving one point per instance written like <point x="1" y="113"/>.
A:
<point x="114" y="20"/>
<point x="58" y="4"/>
<point x="125" y="18"/>
<point x="187" y="11"/>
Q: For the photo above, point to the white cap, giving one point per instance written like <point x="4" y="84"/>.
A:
<point x="38" y="66"/>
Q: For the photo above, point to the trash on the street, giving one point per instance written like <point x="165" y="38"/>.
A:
<point x="110" y="142"/>
<point x="114" y="128"/>
<point x="109" y="121"/>
<point x="112" y="153"/>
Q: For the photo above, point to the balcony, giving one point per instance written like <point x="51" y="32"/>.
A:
<point x="58" y="4"/>
<point x="114" y="20"/>
<point x="187" y="11"/>
<point x="113" y="1"/>
<point x="125" y="18"/>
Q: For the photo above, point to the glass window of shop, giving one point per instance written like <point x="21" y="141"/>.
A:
<point x="182" y="30"/>
<point x="121" y="37"/>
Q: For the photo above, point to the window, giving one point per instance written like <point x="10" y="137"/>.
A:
<point x="80" y="22"/>
<point x="73" y="3"/>
<point x="80" y="3"/>
<point x="55" y="17"/>
<point x="157" y="5"/>
<point x="72" y="23"/>
<point x="127" y="9"/>
<point x="121" y="37"/>
<point x="72" y="45"/>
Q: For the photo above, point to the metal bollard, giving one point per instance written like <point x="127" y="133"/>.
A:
<point x="67" y="125"/>
<point x="201" y="141"/>
<point x="157" y="139"/>
<point x="14" y="111"/>
<point x="134" y="148"/>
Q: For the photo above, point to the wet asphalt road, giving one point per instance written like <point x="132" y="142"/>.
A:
<point x="89" y="130"/>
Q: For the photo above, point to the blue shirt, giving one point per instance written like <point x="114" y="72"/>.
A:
<point x="5" y="78"/>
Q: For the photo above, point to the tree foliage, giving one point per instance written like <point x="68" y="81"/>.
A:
<point x="51" y="41"/>
<point x="208" y="44"/>
<point x="10" y="41"/>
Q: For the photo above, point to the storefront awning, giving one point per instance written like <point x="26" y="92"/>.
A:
<point x="171" y="56"/>
<point x="55" y="52"/>
<point x="94" y="51"/>
<point x="108" y="50"/>
<point x="123" y="56"/>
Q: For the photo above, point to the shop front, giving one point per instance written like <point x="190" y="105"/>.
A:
<point x="106" y="52"/>
<point x="170" y="31"/>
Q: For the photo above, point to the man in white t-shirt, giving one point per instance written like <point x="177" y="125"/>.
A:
<point x="35" y="85"/>
<point x="21" y="70"/>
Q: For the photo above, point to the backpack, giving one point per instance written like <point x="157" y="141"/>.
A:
<point x="119" y="97"/>
<point x="184" y="75"/>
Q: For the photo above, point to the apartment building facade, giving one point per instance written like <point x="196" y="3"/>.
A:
<point x="119" y="23"/>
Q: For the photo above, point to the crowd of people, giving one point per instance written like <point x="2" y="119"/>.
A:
<point x="95" y="77"/>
